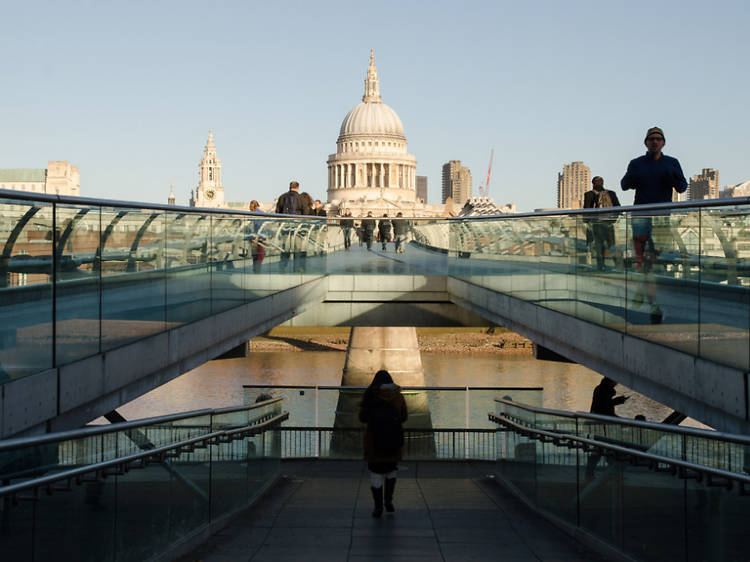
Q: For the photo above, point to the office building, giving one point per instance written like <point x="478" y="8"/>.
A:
<point x="422" y="189"/>
<point x="704" y="185"/>
<point x="572" y="183"/>
<point x="456" y="182"/>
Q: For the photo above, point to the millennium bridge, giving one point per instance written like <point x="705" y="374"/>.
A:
<point x="103" y="301"/>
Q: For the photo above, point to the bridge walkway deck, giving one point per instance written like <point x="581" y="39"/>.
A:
<point x="320" y="510"/>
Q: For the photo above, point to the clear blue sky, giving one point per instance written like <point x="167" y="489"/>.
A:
<point x="128" y="91"/>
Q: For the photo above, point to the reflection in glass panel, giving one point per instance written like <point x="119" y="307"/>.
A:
<point x="77" y="322"/>
<point x="228" y="259"/>
<point x="600" y="280"/>
<point x="77" y="524"/>
<point x="188" y="268"/>
<point x="26" y="285"/>
<point x="133" y="276"/>
<point x="725" y="285"/>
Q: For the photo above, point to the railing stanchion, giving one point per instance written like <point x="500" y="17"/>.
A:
<point x="468" y="406"/>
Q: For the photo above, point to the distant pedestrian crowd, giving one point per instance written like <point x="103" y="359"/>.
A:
<point x="384" y="230"/>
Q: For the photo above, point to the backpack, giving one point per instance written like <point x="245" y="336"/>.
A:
<point x="291" y="203"/>
<point x="385" y="426"/>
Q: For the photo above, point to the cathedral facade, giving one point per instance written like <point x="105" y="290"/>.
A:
<point x="372" y="169"/>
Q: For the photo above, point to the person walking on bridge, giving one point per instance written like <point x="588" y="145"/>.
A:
<point x="290" y="203"/>
<point x="347" y="224"/>
<point x="401" y="228"/>
<point x="600" y="230"/>
<point x="368" y="229"/>
<point x="654" y="176"/>
<point x="384" y="231"/>
<point x="383" y="409"/>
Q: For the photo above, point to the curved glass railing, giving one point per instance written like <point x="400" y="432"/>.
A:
<point x="651" y="491"/>
<point x="137" y="490"/>
<point x="81" y="276"/>
<point x="677" y="275"/>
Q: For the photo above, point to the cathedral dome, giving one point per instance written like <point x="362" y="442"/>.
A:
<point x="372" y="119"/>
<point x="371" y="162"/>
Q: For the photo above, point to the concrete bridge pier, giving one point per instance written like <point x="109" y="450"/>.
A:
<point x="396" y="350"/>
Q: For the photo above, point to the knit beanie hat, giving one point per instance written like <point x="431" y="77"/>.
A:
<point x="655" y="131"/>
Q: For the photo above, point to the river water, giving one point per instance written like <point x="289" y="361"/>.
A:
<point x="219" y="383"/>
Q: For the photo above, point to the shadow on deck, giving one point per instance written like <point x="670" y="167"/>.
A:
<point x="320" y="510"/>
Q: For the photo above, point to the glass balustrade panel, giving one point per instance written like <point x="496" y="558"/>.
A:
<point x="724" y="272"/>
<point x="26" y="273"/>
<point x="133" y="262"/>
<point x="188" y="268"/>
<point x="77" y="282"/>
<point x="228" y="262"/>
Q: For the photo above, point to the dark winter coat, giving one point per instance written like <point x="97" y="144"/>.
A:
<point x="390" y="393"/>
<point x="368" y="225"/>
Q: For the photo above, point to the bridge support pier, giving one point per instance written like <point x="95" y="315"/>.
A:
<point x="396" y="350"/>
<point x="546" y="354"/>
<point x="239" y="352"/>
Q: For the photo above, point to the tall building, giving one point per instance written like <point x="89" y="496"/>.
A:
<point x="422" y="189"/>
<point x="704" y="185"/>
<point x="371" y="169"/>
<point x="456" y="182"/>
<point x="371" y="159"/>
<point x="59" y="178"/>
<point x="210" y="192"/>
<point x="574" y="181"/>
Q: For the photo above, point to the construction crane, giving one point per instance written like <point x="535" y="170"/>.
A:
<point x="484" y="191"/>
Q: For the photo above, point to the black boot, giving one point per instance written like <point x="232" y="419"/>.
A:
<point x="377" y="496"/>
<point x="390" y="485"/>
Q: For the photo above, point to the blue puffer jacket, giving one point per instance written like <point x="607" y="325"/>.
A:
<point x="653" y="180"/>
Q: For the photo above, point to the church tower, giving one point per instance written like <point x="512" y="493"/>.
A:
<point x="171" y="199"/>
<point x="210" y="192"/>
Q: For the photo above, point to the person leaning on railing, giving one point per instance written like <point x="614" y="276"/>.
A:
<point x="603" y="402"/>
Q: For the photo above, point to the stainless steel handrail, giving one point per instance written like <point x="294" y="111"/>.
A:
<point x="406" y="429"/>
<point x="71" y="200"/>
<point x="638" y="209"/>
<point x="23" y="442"/>
<point x="339" y="387"/>
<point x="692" y="431"/>
<point x="158" y="453"/>
<point x="137" y="205"/>
<point x="653" y="459"/>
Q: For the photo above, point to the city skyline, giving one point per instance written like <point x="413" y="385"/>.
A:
<point x="132" y="107"/>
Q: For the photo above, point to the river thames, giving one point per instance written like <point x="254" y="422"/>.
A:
<point x="219" y="383"/>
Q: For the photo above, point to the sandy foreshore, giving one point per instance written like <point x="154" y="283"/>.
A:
<point x="434" y="340"/>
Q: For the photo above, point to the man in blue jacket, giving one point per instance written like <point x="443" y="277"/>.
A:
<point x="653" y="176"/>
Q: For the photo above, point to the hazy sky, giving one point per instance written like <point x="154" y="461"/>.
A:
<point x="128" y="91"/>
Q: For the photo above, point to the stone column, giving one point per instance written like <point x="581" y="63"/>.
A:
<point x="397" y="351"/>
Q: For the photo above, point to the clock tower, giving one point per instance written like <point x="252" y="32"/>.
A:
<point x="210" y="192"/>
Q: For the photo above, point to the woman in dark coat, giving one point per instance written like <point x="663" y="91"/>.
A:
<point x="383" y="409"/>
